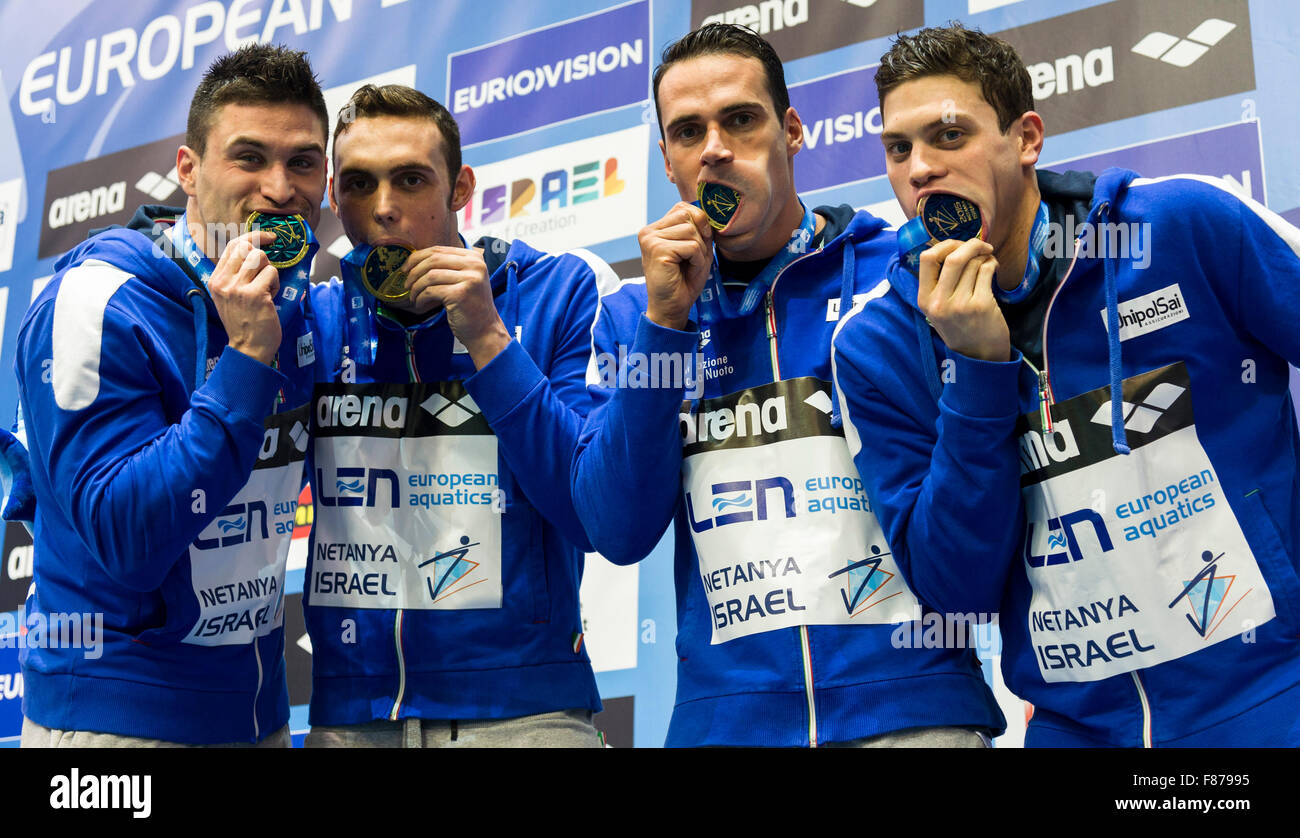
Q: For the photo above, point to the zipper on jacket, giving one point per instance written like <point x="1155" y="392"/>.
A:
<point x="1044" y="377"/>
<point x="1045" y="405"/>
<point x="401" y="666"/>
<point x="1146" y="710"/>
<point x="257" y="693"/>
<point x="1044" y="408"/>
<point x="771" y="335"/>
<point x="414" y="375"/>
<point x="805" y="649"/>
<point x="805" y="642"/>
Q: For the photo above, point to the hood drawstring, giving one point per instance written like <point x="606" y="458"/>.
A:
<point x="510" y="311"/>
<point x="1110" y="188"/>
<point x="1119" y="439"/>
<point x="195" y="298"/>
<point x="846" y="302"/>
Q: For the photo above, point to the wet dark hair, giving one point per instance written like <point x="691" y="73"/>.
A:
<point x="726" y="39"/>
<point x="400" y="100"/>
<point x="254" y="74"/>
<point x="968" y="54"/>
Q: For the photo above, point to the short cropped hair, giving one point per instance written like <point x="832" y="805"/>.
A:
<point x="968" y="54"/>
<point x="254" y="74"/>
<point x="400" y="100"/>
<point x="726" y="39"/>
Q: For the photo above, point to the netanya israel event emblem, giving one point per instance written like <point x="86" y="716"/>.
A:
<point x="381" y="273"/>
<point x="291" y="240"/>
<point x="718" y="202"/>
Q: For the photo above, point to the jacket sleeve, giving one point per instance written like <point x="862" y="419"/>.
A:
<point x="136" y="488"/>
<point x="943" y="480"/>
<point x="627" y="470"/>
<point x="538" y="416"/>
<point x="1266" y="280"/>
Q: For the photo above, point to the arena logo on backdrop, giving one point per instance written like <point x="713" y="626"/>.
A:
<point x="16" y="572"/>
<point x="570" y="195"/>
<point x="1094" y="66"/>
<point x="575" y="68"/>
<point x="798" y="28"/>
<point x="105" y="191"/>
<point x="122" y="57"/>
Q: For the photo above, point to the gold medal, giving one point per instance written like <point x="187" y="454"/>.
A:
<point x="382" y="275"/>
<point x="947" y="216"/>
<point x="291" y="240"/>
<point x="718" y="202"/>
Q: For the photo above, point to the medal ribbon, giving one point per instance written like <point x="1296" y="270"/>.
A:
<point x="1037" y="241"/>
<point x="293" y="280"/>
<point x="714" y="303"/>
<point x="362" y="341"/>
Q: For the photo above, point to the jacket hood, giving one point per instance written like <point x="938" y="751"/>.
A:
<point x="843" y="219"/>
<point x="500" y="252"/>
<point x="1066" y="187"/>
<point x="142" y="248"/>
<point x="505" y="260"/>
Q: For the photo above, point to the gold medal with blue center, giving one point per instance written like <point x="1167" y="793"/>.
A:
<point x="718" y="202"/>
<point x="382" y="275"/>
<point x="939" y="216"/>
<point x="948" y="216"/>
<point x="291" y="239"/>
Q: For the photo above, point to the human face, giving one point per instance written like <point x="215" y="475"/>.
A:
<point x="720" y="126"/>
<point x="266" y="158"/>
<point x="391" y="185"/>
<point x="941" y="136"/>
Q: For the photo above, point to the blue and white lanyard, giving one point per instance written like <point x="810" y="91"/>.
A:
<point x="714" y="303"/>
<point x="189" y="250"/>
<point x="1037" y="241"/>
<point x="362" y="341"/>
<point x="293" y="281"/>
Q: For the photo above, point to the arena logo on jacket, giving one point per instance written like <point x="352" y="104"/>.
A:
<point x="408" y="504"/>
<point x="237" y="562"/>
<point x="780" y="517"/>
<point x="1134" y="560"/>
